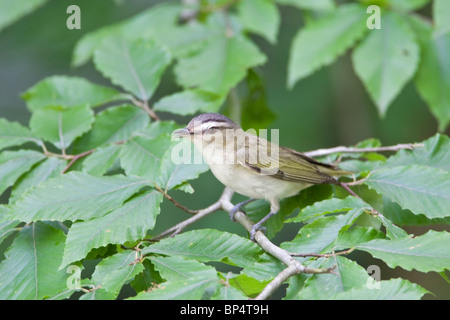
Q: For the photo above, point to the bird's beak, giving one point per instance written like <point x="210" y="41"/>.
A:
<point x="181" y="133"/>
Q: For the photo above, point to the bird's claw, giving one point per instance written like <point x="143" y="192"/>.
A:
<point x="256" y="227"/>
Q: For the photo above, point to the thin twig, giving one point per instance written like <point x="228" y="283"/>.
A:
<point x="322" y="255"/>
<point x="144" y="105"/>
<point x="178" y="205"/>
<point x="342" y="149"/>
<point x="180" y="226"/>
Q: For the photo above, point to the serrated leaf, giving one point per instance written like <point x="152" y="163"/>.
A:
<point x="321" y="233"/>
<point x="136" y="66"/>
<point x="176" y="268"/>
<point x="309" y="5"/>
<point x="60" y="125"/>
<point x="441" y="12"/>
<point x="153" y="23"/>
<point x="154" y="160"/>
<point x="220" y="63"/>
<point x="129" y="222"/>
<point x="386" y="60"/>
<point x="113" y="272"/>
<point x="260" y="17"/>
<point x="327" y="206"/>
<point x="357" y="235"/>
<point x="189" y="102"/>
<point x="49" y="168"/>
<point x="425" y="253"/>
<point x="30" y="270"/>
<point x="75" y="196"/>
<point x="423" y="190"/>
<point x="14" y="134"/>
<point x="101" y="160"/>
<point x="322" y="41"/>
<point x="434" y="153"/>
<point x="114" y="124"/>
<point x="433" y="75"/>
<point x="394" y="289"/>
<point x="68" y="92"/>
<point x="208" y="245"/>
<point x="187" y="289"/>
<point x="15" y="163"/>
<point x="321" y="287"/>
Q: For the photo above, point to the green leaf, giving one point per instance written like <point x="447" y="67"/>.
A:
<point x="30" y="270"/>
<point x="68" y="92"/>
<point x="75" y="196"/>
<point x="433" y="75"/>
<point x="155" y="159"/>
<point x="189" y="102"/>
<point x="101" y="160"/>
<point x="394" y="289"/>
<point x="441" y="12"/>
<point x="14" y="134"/>
<point x="220" y="64"/>
<point x="309" y="5"/>
<point x="434" y="153"/>
<point x="321" y="233"/>
<point x="156" y="22"/>
<point x="136" y="66"/>
<point x="320" y="287"/>
<point x="49" y="168"/>
<point x="176" y="268"/>
<point x="142" y="157"/>
<point x="60" y="125"/>
<point x="386" y="60"/>
<point x="197" y="288"/>
<point x="423" y="190"/>
<point x="327" y="206"/>
<point x="322" y="41"/>
<point x="256" y="113"/>
<point x="15" y="163"/>
<point x="408" y="5"/>
<point x="260" y="17"/>
<point x="208" y="245"/>
<point x="129" y="222"/>
<point x="11" y="11"/>
<point x="115" y="271"/>
<point x="114" y="124"/>
<point x="424" y="253"/>
<point x="357" y="235"/>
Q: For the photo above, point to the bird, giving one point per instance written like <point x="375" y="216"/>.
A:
<point x="253" y="166"/>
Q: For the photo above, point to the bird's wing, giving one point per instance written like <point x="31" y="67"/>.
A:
<point x="285" y="164"/>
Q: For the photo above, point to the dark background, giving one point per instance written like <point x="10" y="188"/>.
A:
<point x="327" y="109"/>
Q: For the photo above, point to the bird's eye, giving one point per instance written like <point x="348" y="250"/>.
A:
<point x="212" y="130"/>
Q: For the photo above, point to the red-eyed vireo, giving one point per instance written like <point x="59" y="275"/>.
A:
<point x="253" y="166"/>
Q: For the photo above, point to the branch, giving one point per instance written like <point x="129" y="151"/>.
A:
<point x="144" y="105"/>
<point x="180" y="226"/>
<point x="342" y="149"/>
<point x="293" y="266"/>
<point x="178" y="205"/>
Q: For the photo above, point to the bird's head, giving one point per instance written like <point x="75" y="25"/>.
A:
<point x="208" y="128"/>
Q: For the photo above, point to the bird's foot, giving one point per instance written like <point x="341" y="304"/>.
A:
<point x="256" y="227"/>
<point x="239" y="207"/>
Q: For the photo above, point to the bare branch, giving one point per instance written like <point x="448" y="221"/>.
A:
<point x="199" y="215"/>
<point x="178" y="205"/>
<point x="293" y="266"/>
<point x="144" y="105"/>
<point x="342" y="149"/>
